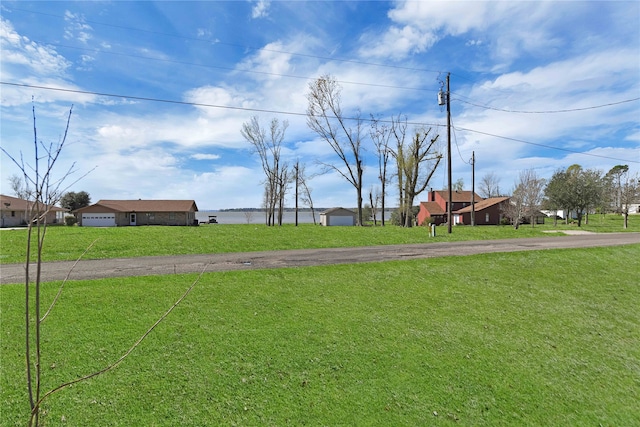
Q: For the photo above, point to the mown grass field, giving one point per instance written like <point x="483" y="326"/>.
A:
<point x="68" y="243"/>
<point x="537" y="339"/>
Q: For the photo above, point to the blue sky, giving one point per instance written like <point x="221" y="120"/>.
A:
<point x="539" y="85"/>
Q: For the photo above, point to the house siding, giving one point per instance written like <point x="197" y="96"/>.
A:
<point x="495" y="216"/>
<point x="14" y="212"/>
<point x="157" y="218"/>
<point x="337" y="217"/>
<point x="146" y="212"/>
<point x="459" y="200"/>
<point x="487" y="212"/>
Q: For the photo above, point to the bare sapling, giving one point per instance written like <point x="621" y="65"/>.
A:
<point x="43" y="190"/>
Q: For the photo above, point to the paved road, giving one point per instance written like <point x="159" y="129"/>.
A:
<point x="143" y="266"/>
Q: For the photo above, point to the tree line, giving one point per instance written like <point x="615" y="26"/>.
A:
<point x="414" y="152"/>
<point x="575" y="191"/>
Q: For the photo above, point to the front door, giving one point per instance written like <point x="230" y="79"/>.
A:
<point x="132" y="219"/>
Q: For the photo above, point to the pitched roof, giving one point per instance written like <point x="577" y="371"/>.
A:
<point x="337" y="210"/>
<point x="16" y="204"/>
<point x="483" y="204"/>
<point x="146" y="205"/>
<point x="433" y="208"/>
<point x="459" y="195"/>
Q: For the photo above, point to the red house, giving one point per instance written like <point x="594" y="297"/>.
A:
<point x="436" y="205"/>
<point x="487" y="212"/>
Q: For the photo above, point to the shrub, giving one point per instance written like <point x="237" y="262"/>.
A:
<point x="70" y="220"/>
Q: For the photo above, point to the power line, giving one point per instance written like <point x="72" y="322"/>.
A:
<point x="228" y="68"/>
<point x="455" y="138"/>
<point x="260" y="110"/>
<point x="547" y="146"/>
<point x="568" y="110"/>
<point x="195" y="104"/>
<point x="304" y="55"/>
<point x="307" y="56"/>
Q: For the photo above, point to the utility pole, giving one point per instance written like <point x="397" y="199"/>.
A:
<point x="442" y="101"/>
<point x="297" y="165"/>
<point x="473" y="188"/>
<point x="449" y="217"/>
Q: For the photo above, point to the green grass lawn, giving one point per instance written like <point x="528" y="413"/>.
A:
<point x="68" y="243"/>
<point x="546" y="338"/>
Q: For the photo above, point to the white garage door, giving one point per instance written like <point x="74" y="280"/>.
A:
<point x="341" y="220"/>
<point x="99" y="220"/>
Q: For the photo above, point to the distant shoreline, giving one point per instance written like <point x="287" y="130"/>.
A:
<point x="317" y="210"/>
<point x="258" y="216"/>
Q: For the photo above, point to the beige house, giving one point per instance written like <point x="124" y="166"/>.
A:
<point x="337" y="216"/>
<point x="15" y="212"/>
<point x="118" y="213"/>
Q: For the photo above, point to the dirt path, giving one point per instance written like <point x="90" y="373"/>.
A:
<point x="143" y="266"/>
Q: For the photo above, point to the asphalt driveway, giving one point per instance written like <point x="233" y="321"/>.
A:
<point x="160" y="265"/>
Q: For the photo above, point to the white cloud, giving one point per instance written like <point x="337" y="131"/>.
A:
<point x="77" y="28"/>
<point x="273" y="60"/>
<point x="205" y="156"/>
<point x="158" y="150"/>
<point x="260" y="9"/>
<point x="19" y="51"/>
<point x="218" y="96"/>
<point x="203" y="32"/>
<point x="513" y="27"/>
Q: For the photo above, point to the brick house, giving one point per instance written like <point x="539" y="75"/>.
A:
<point x="436" y="205"/>
<point x="118" y="213"/>
<point x="16" y="212"/>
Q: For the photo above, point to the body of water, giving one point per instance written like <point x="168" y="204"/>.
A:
<point x="258" y="217"/>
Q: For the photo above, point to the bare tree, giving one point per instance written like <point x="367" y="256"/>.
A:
<point x="458" y="185"/>
<point x="325" y="117"/>
<point x="489" y="185"/>
<point x="305" y="196"/>
<point x="45" y="191"/>
<point x="629" y="193"/>
<point x="614" y="181"/>
<point x="374" y="200"/>
<point x="514" y="209"/>
<point x="380" y="135"/>
<point x="268" y="147"/>
<point x="399" y="131"/>
<point x="20" y="187"/>
<point x="416" y="161"/>
<point x="526" y="198"/>
<point x="532" y="193"/>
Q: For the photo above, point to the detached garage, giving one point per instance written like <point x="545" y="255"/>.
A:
<point x="338" y="216"/>
<point x="118" y="213"/>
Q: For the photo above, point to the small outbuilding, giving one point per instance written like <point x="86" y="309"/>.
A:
<point x="337" y="216"/>
<point x="118" y="213"/>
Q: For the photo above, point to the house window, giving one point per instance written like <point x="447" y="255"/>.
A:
<point x="486" y="217"/>
<point x="172" y="216"/>
<point x="150" y="216"/>
<point x="13" y="213"/>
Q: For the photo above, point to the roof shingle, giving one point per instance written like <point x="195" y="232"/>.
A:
<point x="147" y="205"/>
